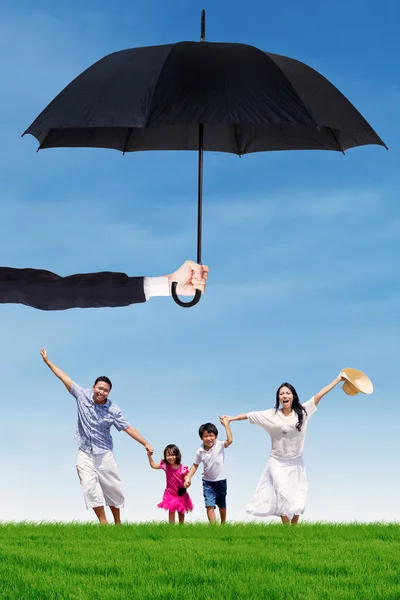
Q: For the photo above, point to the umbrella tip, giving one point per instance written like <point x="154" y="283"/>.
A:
<point x="203" y="26"/>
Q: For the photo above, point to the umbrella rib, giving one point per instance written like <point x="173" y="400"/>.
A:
<point x="40" y="147"/>
<point x="294" y="87"/>
<point x="128" y="137"/>
<point x="155" y="89"/>
<point x="336" y="140"/>
<point x="235" y="129"/>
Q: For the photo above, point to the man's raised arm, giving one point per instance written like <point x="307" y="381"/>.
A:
<point x="67" y="381"/>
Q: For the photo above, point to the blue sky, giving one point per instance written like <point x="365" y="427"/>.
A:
<point x="303" y="250"/>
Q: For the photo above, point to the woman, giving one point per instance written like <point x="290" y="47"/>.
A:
<point x="282" y="489"/>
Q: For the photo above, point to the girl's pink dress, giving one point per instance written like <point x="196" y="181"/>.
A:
<point x="171" y="501"/>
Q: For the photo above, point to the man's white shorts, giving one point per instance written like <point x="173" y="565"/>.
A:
<point x="99" y="479"/>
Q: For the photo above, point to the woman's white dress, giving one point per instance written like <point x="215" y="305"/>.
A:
<point x="282" y="489"/>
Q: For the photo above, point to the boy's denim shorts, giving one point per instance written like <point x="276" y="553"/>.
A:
<point x="214" y="493"/>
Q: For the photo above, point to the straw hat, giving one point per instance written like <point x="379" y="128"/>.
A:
<point x="356" y="381"/>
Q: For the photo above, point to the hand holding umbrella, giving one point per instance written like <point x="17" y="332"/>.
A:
<point x="49" y="291"/>
<point x="189" y="279"/>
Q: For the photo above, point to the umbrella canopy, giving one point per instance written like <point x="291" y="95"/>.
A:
<point x="155" y="98"/>
<point x="201" y="96"/>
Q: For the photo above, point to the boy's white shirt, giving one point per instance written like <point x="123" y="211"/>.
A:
<point x="213" y="461"/>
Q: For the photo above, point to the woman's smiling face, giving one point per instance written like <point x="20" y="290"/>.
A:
<point x="286" y="398"/>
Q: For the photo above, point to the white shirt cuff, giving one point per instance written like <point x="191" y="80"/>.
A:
<point x="156" y="286"/>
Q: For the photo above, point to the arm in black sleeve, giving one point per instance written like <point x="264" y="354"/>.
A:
<point x="47" y="291"/>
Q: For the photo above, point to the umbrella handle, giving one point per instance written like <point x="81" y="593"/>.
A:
<point x="192" y="302"/>
<point x="197" y="295"/>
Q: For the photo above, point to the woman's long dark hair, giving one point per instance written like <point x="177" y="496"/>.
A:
<point x="296" y="406"/>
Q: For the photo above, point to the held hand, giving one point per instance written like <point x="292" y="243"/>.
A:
<point x="190" y="277"/>
<point x="149" y="449"/>
<point x="186" y="483"/>
<point x="341" y="376"/>
<point x="150" y="452"/>
<point x="225" y="418"/>
<point x="43" y="354"/>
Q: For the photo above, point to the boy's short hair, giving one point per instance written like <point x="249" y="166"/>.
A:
<point x="209" y="428"/>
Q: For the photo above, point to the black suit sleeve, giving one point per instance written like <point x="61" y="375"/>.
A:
<point x="47" y="291"/>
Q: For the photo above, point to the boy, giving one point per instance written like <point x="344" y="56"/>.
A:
<point x="212" y="455"/>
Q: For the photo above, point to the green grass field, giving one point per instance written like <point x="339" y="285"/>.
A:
<point x="196" y="561"/>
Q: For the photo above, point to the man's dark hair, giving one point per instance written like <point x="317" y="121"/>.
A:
<point x="209" y="428"/>
<point x="105" y="379"/>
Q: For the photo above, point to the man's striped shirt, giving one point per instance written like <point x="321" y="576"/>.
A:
<point x="95" y="421"/>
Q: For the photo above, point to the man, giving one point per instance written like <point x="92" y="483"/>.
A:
<point x="47" y="291"/>
<point x="96" y="465"/>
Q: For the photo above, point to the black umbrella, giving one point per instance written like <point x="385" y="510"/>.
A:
<point x="201" y="96"/>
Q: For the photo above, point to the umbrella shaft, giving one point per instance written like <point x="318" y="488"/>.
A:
<point x="200" y="180"/>
<point x="200" y="194"/>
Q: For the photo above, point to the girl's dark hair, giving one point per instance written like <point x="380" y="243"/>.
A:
<point x="105" y="379"/>
<point x="209" y="428"/>
<point x="296" y="406"/>
<point x="174" y="450"/>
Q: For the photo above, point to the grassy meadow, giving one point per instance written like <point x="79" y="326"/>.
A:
<point x="196" y="561"/>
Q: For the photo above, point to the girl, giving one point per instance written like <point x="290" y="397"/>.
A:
<point x="175" y="498"/>
<point x="282" y="489"/>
